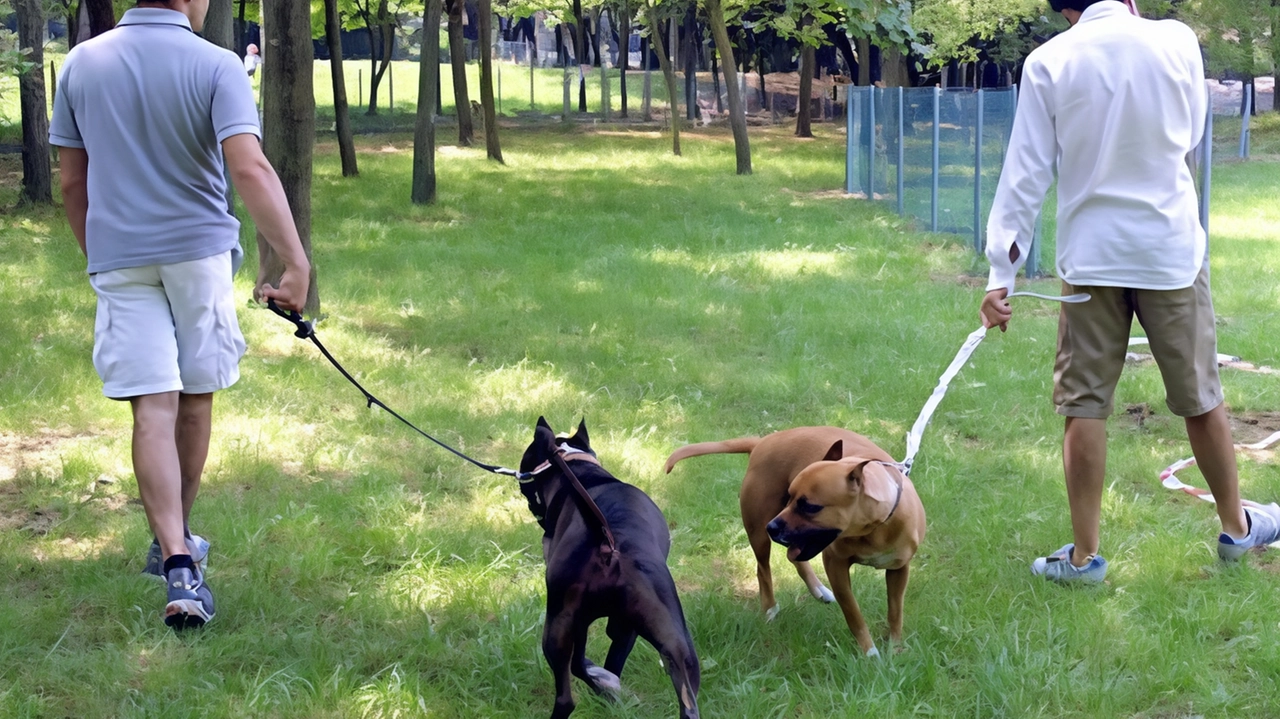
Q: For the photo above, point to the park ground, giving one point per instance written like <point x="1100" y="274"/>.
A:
<point x="361" y="571"/>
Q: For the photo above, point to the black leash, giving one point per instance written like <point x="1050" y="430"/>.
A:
<point x="306" y="332"/>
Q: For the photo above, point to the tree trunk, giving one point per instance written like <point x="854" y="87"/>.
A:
<point x="218" y="29"/>
<point x="894" y="68"/>
<point x="737" y="114"/>
<point x="692" y="111"/>
<point x="580" y="53"/>
<point x="218" y="25"/>
<point x="458" y="65"/>
<point x="102" y="16"/>
<point x="863" y="45"/>
<point x="289" y="124"/>
<point x="491" y="144"/>
<point x="341" y="113"/>
<point x="73" y="23"/>
<point x="37" y="176"/>
<point x="424" y="132"/>
<point x="804" y="99"/>
<point x="379" y="53"/>
<point x="668" y="75"/>
<point x="242" y="36"/>
<point x="624" y="53"/>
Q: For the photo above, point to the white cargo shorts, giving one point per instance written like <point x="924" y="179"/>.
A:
<point x="166" y="328"/>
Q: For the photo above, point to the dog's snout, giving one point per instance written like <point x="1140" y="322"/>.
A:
<point x="775" y="529"/>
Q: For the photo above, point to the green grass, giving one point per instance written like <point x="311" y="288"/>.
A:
<point x="361" y="571"/>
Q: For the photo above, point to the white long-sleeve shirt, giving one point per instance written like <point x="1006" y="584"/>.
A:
<point x="1114" y="104"/>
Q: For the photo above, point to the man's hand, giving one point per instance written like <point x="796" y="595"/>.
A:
<point x="292" y="292"/>
<point x="995" y="310"/>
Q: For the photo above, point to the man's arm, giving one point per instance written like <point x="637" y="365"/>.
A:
<point x="263" y="196"/>
<point x="1025" y="178"/>
<point x="74" y="170"/>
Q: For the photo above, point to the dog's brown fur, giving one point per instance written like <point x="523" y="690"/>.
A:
<point x="839" y="471"/>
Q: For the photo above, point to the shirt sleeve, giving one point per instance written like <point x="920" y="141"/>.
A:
<point x="1199" y="98"/>
<point x="63" y="130"/>
<point x="234" y="110"/>
<point x="1028" y="172"/>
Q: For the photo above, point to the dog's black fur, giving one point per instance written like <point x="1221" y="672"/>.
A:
<point x="631" y="587"/>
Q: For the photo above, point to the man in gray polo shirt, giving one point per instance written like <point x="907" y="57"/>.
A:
<point x="143" y="117"/>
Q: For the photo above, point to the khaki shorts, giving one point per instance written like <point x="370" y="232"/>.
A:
<point x="1093" y="338"/>
<point x="167" y="328"/>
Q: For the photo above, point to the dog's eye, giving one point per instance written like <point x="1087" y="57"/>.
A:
<point x="804" y="506"/>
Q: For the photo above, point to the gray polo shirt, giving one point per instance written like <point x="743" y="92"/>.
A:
<point x="151" y="101"/>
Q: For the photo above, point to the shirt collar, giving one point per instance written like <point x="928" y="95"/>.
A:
<point x="1104" y="9"/>
<point x="154" y="16"/>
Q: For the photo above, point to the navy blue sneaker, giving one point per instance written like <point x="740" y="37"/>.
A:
<point x="1264" y="528"/>
<point x="190" y="599"/>
<point x="197" y="547"/>
<point x="1057" y="567"/>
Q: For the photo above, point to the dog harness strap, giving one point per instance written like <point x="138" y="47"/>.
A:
<point x="306" y="332"/>
<point x="898" y="483"/>
<point x="612" y="546"/>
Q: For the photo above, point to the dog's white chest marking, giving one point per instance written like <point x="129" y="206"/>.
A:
<point x="879" y="561"/>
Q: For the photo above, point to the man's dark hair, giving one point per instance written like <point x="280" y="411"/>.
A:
<point x="1078" y="5"/>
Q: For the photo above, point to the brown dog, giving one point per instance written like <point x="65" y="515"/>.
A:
<point x="829" y="490"/>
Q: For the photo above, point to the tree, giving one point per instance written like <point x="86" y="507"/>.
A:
<point x="737" y="113"/>
<point x="654" y="29"/>
<point x="458" y="64"/>
<point x="381" y="25"/>
<point x="1236" y="34"/>
<point x="289" y="124"/>
<point x="342" y="114"/>
<point x="37" y="175"/>
<point x="491" y="144"/>
<point x="424" y="134"/>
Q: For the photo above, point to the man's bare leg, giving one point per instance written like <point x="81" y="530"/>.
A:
<point x="156" y="465"/>
<point x="1084" y="462"/>
<point x="1215" y="452"/>
<point x="195" y="413"/>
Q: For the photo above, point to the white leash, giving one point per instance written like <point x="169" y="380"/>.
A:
<point x="1170" y="479"/>
<point x="966" y="351"/>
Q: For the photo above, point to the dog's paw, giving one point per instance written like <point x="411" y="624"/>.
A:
<point x="823" y="594"/>
<point x="873" y="652"/>
<point x="771" y="612"/>
<point x="605" y="681"/>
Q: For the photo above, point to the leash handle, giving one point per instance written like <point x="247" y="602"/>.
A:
<point x="304" y="329"/>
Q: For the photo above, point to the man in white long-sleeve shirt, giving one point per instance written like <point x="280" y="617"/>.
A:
<point x="1115" y="105"/>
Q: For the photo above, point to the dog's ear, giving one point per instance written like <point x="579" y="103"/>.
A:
<point x="871" y="478"/>
<point x="836" y="452"/>
<point x="580" y="438"/>
<point x="540" y="449"/>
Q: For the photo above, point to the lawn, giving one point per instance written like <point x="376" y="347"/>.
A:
<point x="361" y="571"/>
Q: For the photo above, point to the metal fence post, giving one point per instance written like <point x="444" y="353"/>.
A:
<point x="1206" y="164"/>
<point x="1244" y="121"/>
<point x="849" y="140"/>
<point x="496" y="63"/>
<point x="977" y="176"/>
<point x="1032" y="268"/>
<point x="528" y="53"/>
<point x="901" y="137"/>
<point x="933" y="192"/>
<point x="871" y="142"/>
<point x="391" y="88"/>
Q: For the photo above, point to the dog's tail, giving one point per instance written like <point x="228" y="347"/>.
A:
<point x="742" y="445"/>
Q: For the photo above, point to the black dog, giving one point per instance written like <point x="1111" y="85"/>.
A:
<point x="587" y="578"/>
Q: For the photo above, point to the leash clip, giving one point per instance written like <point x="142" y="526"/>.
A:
<point x="304" y="330"/>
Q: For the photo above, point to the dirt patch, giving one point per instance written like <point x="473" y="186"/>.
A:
<point x="1251" y="427"/>
<point x="41" y="451"/>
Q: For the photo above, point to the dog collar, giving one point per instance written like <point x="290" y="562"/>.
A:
<point x="565" y="450"/>
<point x="898" y="499"/>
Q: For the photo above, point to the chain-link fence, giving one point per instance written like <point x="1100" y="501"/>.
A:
<point x="937" y="155"/>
